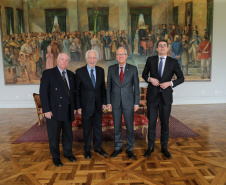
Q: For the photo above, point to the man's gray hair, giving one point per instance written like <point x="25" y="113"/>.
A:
<point x="93" y="51"/>
<point x="63" y="53"/>
<point x="121" y="48"/>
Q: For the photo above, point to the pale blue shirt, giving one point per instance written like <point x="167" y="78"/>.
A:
<point x="66" y="76"/>
<point x="89" y="71"/>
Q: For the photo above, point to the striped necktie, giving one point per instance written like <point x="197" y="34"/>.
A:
<point x="65" y="81"/>
<point x="92" y="78"/>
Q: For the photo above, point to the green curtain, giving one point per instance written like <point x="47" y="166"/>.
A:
<point x="9" y="20"/>
<point x="20" y="21"/>
<point x="148" y="21"/>
<point x="62" y="20"/>
<point x="134" y="24"/>
<point x="175" y="15"/>
<point x="209" y="17"/>
<point x="102" y="22"/>
<point x="102" y="19"/>
<point x="49" y="16"/>
<point x="0" y="20"/>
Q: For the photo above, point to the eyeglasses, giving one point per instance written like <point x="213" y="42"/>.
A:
<point x="121" y="54"/>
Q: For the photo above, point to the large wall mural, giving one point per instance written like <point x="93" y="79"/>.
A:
<point x="34" y="32"/>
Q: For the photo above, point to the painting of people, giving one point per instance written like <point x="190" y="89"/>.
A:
<point x="34" y="32"/>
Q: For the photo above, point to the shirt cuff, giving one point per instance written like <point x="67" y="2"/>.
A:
<point x="171" y="84"/>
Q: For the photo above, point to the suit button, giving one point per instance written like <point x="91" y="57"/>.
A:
<point x="59" y="105"/>
<point x="61" y="97"/>
<point x="56" y="89"/>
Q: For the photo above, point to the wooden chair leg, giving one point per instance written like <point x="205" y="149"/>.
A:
<point x="39" y="121"/>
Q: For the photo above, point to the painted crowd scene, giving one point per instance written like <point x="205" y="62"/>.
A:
<point x="26" y="54"/>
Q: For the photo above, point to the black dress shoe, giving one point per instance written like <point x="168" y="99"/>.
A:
<point x="71" y="158"/>
<point x="130" y="154"/>
<point x="57" y="162"/>
<point x="148" y="152"/>
<point x="116" y="152"/>
<point x="87" y="154"/>
<point x="101" y="152"/>
<point x="166" y="153"/>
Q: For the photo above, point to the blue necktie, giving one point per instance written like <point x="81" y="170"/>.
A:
<point x="93" y="78"/>
<point x="160" y="68"/>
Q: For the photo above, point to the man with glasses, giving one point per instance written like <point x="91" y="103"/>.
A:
<point x="158" y="72"/>
<point x="123" y="99"/>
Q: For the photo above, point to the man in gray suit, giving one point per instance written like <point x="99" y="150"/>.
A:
<point x="123" y="98"/>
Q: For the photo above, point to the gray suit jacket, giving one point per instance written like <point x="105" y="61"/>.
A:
<point x="128" y="92"/>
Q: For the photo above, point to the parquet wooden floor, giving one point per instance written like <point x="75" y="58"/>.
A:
<point x="195" y="161"/>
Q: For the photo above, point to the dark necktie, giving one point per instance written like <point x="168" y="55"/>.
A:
<point x="160" y="68"/>
<point x="65" y="81"/>
<point x="93" y="78"/>
<point x="121" y="75"/>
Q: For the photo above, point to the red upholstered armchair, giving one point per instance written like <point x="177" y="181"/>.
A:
<point x="143" y="102"/>
<point x="140" y="121"/>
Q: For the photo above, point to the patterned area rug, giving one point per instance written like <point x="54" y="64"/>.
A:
<point x="176" y="130"/>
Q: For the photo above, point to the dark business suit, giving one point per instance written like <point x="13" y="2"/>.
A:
<point x="123" y="97"/>
<point x="90" y="100"/>
<point x="160" y="99"/>
<point x="54" y="98"/>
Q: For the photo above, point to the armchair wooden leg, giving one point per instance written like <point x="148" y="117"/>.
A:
<point x="39" y="121"/>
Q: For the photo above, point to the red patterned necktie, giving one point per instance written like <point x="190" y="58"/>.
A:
<point x="121" y="74"/>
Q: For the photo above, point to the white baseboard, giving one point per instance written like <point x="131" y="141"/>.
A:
<point x="177" y="101"/>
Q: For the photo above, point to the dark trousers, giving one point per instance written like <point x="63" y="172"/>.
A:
<point x="129" y="118"/>
<point x="54" y="128"/>
<point x="95" y="122"/>
<point x="164" y="111"/>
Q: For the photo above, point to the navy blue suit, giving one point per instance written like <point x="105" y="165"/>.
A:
<point x="54" y="98"/>
<point x="90" y="100"/>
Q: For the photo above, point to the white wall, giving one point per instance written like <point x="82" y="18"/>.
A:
<point x="20" y="96"/>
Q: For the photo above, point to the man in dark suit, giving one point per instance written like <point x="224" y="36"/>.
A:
<point x="123" y="98"/>
<point x="158" y="72"/>
<point x="90" y="100"/>
<point x="57" y="90"/>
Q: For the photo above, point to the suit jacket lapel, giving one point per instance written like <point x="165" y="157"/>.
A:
<point x="156" y="66"/>
<point x="117" y="75"/>
<point x="167" y="63"/>
<point x="97" y="76"/>
<point x="71" y="81"/>
<point x="125" y="76"/>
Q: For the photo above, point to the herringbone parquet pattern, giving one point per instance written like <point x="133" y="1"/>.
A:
<point x="195" y="161"/>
